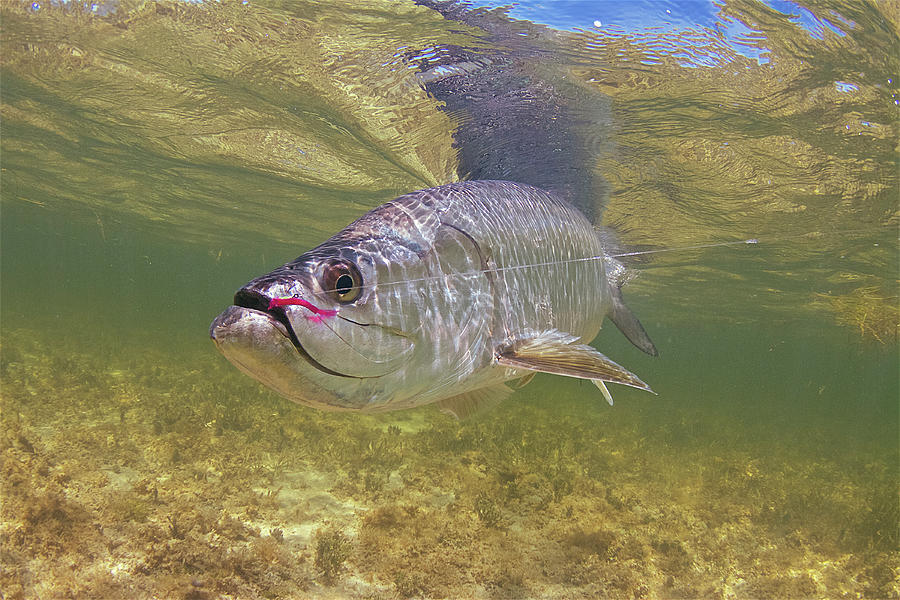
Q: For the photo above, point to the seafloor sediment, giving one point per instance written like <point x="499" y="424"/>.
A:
<point x="151" y="475"/>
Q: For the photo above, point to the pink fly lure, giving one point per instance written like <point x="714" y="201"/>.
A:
<point x="318" y="315"/>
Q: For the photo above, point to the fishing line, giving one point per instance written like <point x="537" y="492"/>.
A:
<point x="553" y="262"/>
<point x="682" y="248"/>
<point x="745" y="242"/>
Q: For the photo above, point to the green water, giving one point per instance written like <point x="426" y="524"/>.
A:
<point x="156" y="158"/>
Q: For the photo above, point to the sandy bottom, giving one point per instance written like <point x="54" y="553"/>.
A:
<point x="148" y="476"/>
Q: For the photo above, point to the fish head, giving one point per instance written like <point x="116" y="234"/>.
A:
<point x="315" y="330"/>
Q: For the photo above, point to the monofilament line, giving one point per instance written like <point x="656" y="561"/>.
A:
<point x="562" y="262"/>
<point x="620" y="255"/>
<point x="681" y="248"/>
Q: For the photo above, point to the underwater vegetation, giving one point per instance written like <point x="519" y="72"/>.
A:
<point x="332" y="549"/>
<point x="871" y="312"/>
<point x="158" y="476"/>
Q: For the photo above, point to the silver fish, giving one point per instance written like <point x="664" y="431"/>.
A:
<point x="440" y="295"/>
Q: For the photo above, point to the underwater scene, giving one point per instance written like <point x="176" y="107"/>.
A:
<point x="157" y="156"/>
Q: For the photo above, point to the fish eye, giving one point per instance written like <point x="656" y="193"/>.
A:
<point x="342" y="281"/>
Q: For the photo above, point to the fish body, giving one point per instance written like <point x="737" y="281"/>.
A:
<point x="440" y="295"/>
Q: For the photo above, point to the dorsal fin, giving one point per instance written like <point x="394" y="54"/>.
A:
<point x="519" y="117"/>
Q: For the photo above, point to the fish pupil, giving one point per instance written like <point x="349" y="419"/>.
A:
<point x="343" y="285"/>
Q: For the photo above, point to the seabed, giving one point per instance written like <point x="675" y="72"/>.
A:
<point x="146" y="476"/>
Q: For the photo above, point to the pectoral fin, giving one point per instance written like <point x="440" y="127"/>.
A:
<point x="556" y="352"/>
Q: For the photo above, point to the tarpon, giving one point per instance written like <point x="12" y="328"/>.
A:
<point x="446" y="294"/>
<point x="441" y="295"/>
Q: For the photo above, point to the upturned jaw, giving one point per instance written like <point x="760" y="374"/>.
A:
<point x="251" y="327"/>
<point x="258" y="302"/>
<point x="259" y="345"/>
<point x="251" y="339"/>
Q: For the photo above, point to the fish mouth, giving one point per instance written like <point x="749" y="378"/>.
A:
<point x="277" y="318"/>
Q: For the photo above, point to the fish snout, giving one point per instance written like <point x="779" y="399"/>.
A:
<point x="226" y="319"/>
